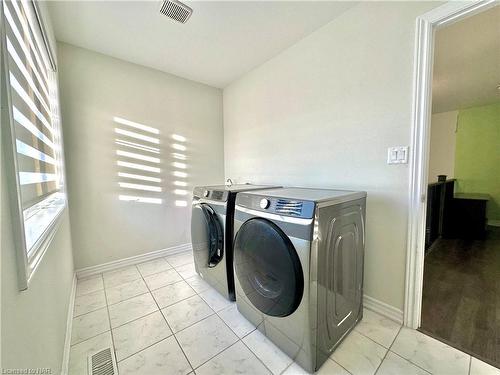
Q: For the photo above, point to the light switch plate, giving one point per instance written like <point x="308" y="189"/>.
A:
<point x="397" y="155"/>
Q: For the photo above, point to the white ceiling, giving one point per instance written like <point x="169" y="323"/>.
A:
<point x="467" y="63"/>
<point x="220" y="42"/>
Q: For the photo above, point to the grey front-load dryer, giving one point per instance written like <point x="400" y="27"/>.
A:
<point x="298" y="258"/>
<point x="212" y="233"/>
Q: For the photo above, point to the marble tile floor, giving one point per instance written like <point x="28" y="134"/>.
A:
<point x="161" y="318"/>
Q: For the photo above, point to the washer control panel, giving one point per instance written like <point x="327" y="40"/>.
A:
<point x="280" y="206"/>
<point x="213" y="195"/>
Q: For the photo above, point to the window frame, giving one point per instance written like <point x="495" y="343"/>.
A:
<point x="27" y="265"/>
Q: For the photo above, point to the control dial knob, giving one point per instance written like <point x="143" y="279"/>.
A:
<point x="206" y="193"/>
<point x="264" y="203"/>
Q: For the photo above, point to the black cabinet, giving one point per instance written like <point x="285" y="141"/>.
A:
<point x="468" y="217"/>
<point x="454" y="215"/>
<point x="439" y="207"/>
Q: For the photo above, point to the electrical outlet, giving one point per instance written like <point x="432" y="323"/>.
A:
<point x="397" y="155"/>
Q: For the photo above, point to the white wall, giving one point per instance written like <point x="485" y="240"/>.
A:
<point x="323" y="113"/>
<point x="442" y="145"/>
<point x="33" y="322"/>
<point x="94" y="89"/>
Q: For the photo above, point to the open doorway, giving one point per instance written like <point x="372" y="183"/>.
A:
<point x="461" y="262"/>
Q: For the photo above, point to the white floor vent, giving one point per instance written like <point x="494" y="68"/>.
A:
<point x="102" y="363"/>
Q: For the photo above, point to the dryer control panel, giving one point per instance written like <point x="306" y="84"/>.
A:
<point x="209" y="194"/>
<point x="279" y="206"/>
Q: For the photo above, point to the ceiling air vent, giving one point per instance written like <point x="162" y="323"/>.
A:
<point x="176" y="10"/>
<point x="102" y="363"/>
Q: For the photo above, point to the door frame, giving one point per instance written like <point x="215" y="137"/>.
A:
<point x="426" y="26"/>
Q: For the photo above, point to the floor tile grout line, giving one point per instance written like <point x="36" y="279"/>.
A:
<point x="470" y="357"/>
<point x="400" y="356"/>
<point x="146" y="347"/>
<point x="470" y="364"/>
<point x="135" y="319"/>
<point x="372" y="340"/>
<point x="91" y="311"/>
<point x="100" y="333"/>
<point x="90" y="338"/>
<point x="346" y="370"/>
<point x="241" y="338"/>
<point x="176" y="302"/>
<point x="221" y="318"/>
<point x="129" y="298"/>
<point x="129" y="266"/>
<point x="287" y="367"/>
<point x="257" y="329"/>
<point x="87" y="293"/>
<point x="179" y="265"/>
<point x="387" y="351"/>
<point x="414" y="364"/>
<point x="199" y="321"/>
<point x="168" y="325"/>
<point x="395" y="337"/>
<point x="153" y="260"/>
<point x="382" y="361"/>
<point x="215" y="355"/>
<point x="172" y="269"/>
<point x="255" y="354"/>
<point x="109" y="319"/>
<point x="140" y="274"/>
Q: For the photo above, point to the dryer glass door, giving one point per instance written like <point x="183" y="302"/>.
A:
<point x="207" y="236"/>
<point x="268" y="267"/>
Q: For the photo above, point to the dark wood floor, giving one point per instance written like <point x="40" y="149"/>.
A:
<point x="461" y="295"/>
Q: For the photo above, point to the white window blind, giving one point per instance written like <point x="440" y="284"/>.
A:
<point x="35" y="129"/>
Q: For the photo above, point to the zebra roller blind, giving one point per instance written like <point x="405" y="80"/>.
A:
<point x="35" y="130"/>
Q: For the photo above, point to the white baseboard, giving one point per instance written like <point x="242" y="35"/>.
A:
<point x="69" y="326"/>
<point x="383" y="309"/>
<point x="494" y="223"/>
<point x="105" y="267"/>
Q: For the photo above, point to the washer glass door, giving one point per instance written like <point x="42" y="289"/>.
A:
<point x="268" y="267"/>
<point x="207" y="236"/>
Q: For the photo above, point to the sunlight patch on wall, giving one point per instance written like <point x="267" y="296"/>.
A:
<point x="179" y="138"/>
<point x="177" y="146"/>
<point x="179" y="165"/>
<point x="138" y="159"/>
<point x="179" y="169"/>
<point x="136" y="125"/>
<point x="180" y="174"/>
<point x="176" y="155"/>
<point x="130" y="198"/>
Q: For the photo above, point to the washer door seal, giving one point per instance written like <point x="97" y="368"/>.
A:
<point x="268" y="267"/>
<point x="215" y="235"/>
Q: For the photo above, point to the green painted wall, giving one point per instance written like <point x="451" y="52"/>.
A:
<point x="477" y="155"/>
